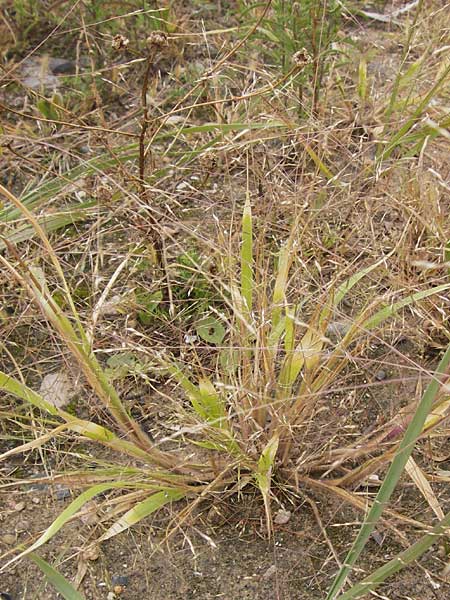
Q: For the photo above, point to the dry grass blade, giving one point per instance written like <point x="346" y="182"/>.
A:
<point x="422" y="483"/>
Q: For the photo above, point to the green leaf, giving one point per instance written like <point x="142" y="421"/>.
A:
<point x="88" y="429"/>
<point x="229" y="360"/>
<point x="211" y="330"/>
<point x="142" y="510"/>
<point x="148" y="303"/>
<point x="362" y="79"/>
<point x="306" y="354"/>
<point x="67" y="514"/>
<point x="60" y="583"/>
<point x="279" y="290"/>
<point x="263" y="475"/>
<point x="47" y="109"/>
<point x="211" y="406"/>
<point x="247" y="256"/>
<point x="388" y="311"/>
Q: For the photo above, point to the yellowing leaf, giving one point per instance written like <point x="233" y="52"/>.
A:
<point x="263" y="475"/>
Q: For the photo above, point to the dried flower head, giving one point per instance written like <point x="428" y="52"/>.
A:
<point x="302" y="58"/>
<point x="156" y="40"/>
<point x="120" y="42"/>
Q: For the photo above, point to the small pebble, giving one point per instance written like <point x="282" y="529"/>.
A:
<point x="270" y="571"/>
<point x="120" y="580"/>
<point x="19" y="506"/>
<point x="62" y="493"/>
<point x="111" y="596"/>
<point x="91" y="553"/>
<point x="282" y="517"/>
<point x="118" y="589"/>
<point x="445" y="574"/>
<point x="9" y="539"/>
<point x="62" y="67"/>
<point x="35" y="500"/>
<point x="380" y="375"/>
<point x="22" y="525"/>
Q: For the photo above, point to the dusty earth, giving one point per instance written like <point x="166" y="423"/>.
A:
<point x="222" y="550"/>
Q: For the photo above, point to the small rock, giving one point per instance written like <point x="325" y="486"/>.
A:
<point x="91" y="553"/>
<point x="380" y="375"/>
<point x="377" y="537"/>
<point x="445" y="574"/>
<point x="60" y="66"/>
<point x="9" y="539"/>
<point x="19" y="506"/>
<point x="111" y="596"/>
<point x="121" y="580"/>
<point x="118" y="589"/>
<point x="270" y="571"/>
<point x="43" y="71"/>
<point x="336" y="330"/>
<point x="22" y="525"/>
<point x="62" y="493"/>
<point x="282" y="517"/>
<point x="112" y="306"/>
<point x="36" y="500"/>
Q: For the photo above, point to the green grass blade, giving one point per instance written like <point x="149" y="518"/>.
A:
<point x="141" y="510"/>
<point x="60" y="583"/>
<point x="263" y="475"/>
<point x="89" y="430"/>
<point x="305" y="354"/>
<point x="349" y="283"/>
<point x="247" y="256"/>
<point x="289" y="330"/>
<point x="319" y="163"/>
<point x="393" y="475"/>
<point x="362" y="80"/>
<point x="67" y="514"/>
<point x="388" y="311"/>
<point x="398" y="138"/>
<point x="49" y="223"/>
<point x="368" y="584"/>
<point x="279" y="290"/>
<point x="212" y="408"/>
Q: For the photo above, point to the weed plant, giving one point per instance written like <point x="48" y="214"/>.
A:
<point x="258" y="307"/>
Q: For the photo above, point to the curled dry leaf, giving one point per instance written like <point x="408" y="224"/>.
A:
<point x="57" y="389"/>
<point x="282" y="517"/>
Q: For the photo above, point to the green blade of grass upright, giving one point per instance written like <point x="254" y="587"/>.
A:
<point x="58" y="581"/>
<point x="279" y="290"/>
<point x="414" y="552"/>
<point x="393" y="475"/>
<point x="247" y="256"/>
<point x="263" y="475"/>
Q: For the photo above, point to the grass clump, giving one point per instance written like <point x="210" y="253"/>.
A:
<point x="220" y="257"/>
